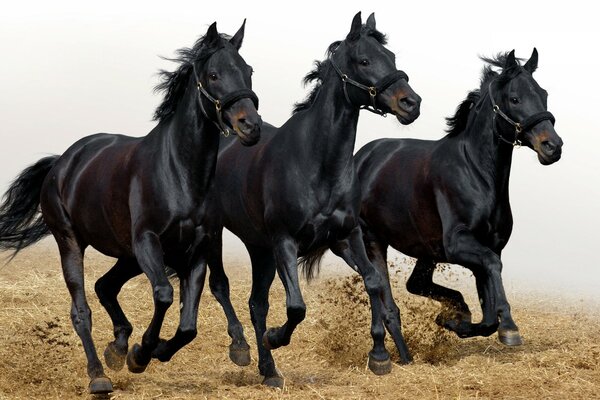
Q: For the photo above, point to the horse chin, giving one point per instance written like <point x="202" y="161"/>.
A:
<point x="546" y="160"/>
<point x="247" y="140"/>
<point x="403" y="120"/>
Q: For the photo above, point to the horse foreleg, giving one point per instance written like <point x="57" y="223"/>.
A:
<point x="263" y="273"/>
<point x="107" y="289"/>
<point x="352" y="251"/>
<point x="239" y="351"/>
<point x="463" y="248"/>
<point x="286" y="258"/>
<point x="191" y="286"/>
<point x="149" y="254"/>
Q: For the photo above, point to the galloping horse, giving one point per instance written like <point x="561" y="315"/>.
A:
<point x="303" y="197"/>
<point x="447" y="200"/>
<point x="140" y="199"/>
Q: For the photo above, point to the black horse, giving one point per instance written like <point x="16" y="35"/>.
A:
<point x="140" y="199"/>
<point x="303" y="197"/>
<point x="447" y="200"/>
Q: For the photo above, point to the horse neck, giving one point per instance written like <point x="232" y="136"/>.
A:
<point x="491" y="157"/>
<point x="331" y="130"/>
<point x="188" y="144"/>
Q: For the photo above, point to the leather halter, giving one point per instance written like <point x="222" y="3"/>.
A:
<point x="373" y="91"/>
<point x="223" y="103"/>
<point x="520" y="127"/>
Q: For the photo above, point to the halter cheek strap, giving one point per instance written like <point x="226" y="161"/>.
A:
<point x="520" y="127"/>
<point x="223" y="103"/>
<point x="373" y="91"/>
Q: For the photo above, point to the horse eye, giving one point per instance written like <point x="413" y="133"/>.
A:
<point x="364" y="62"/>
<point x="514" y="100"/>
<point x="212" y="76"/>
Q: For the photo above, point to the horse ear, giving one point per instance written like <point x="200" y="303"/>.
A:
<point x="212" y="35"/>
<point x="532" y="64"/>
<point x="355" y="28"/>
<point x="238" y="38"/>
<point x="510" y="60"/>
<point x="371" y="21"/>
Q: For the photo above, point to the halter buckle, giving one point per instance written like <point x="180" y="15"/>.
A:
<point x="495" y="108"/>
<point x="372" y="91"/>
<point x="225" y="132"/>
<point x="517" y="144"/>
<point x="344" y="77"/>
<point x="218" y="105"/>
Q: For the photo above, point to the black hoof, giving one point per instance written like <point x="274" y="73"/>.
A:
<point x="380" y="367"/>
<point x="510" y="337"/>
<point x="100" y="385"/>
<point x="113" y="358"/>
<point x="266" y="341"/>
<point x="132" y="364"/>
<point x="275" y="381"/>
<point x="239" y="353"/>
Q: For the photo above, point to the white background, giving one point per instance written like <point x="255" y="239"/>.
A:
<point x="69" y="69"/>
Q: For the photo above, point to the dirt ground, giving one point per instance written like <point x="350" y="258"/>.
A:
<point x="42" y="357"/>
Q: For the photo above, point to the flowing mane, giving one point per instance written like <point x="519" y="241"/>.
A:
<point x="458" y="122"/>
<point x="173" y="83"/>
<point x="317" y="75"/>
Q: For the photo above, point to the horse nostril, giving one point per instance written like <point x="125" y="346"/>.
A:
<point x="408" y="103"/>
<point x="548" y="147"/>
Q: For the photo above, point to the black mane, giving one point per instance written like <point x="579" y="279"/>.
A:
<point x="173" y="83"/>
<point x="458" y="122"/>
<point x="318" y="73"/>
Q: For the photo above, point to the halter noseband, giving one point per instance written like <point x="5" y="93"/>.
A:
<point x="520" y="127"/>
<point x="373" y="91"/>
<point x="223" y="103"/>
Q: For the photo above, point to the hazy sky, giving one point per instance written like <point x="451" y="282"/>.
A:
<point x="69" y="69"/>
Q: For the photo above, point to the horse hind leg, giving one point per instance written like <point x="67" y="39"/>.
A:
<point x="107" y="289"/>
<point x="456" y="314"/>
<point x="71" y="254"/>
<point x="239" y="350"/>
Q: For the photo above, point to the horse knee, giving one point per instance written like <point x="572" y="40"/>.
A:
<point x="374" y="284"/>
<point x="163" y="296"/>
<point x="187" y="334"/>
<point x="81" y="318"/>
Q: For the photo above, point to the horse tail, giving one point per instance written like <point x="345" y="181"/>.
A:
<point x="21" y="223"/>
<point x="310" y="264"/>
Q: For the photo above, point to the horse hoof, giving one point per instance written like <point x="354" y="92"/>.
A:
<point x="132" y="365"/>
<point x="113" y="358"/>
<point x="378" y="367"/>
<point x="510" y="337"/>
<point x="275" y="381"/>
<point x="100" y="385"/>
<point x="239" y="354"/>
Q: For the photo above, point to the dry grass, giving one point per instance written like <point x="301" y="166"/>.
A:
<point x="42" y="357"/>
